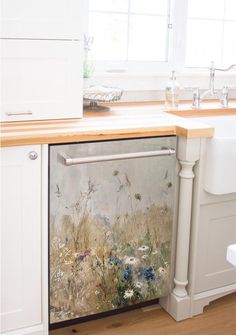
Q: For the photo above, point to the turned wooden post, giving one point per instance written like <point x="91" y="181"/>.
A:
<point x="188" y="154"/>
<point x="184" y="222"/>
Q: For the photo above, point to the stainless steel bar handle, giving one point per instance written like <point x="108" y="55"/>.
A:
<point x="68" y="161"/>
<point x="19" y="113"/>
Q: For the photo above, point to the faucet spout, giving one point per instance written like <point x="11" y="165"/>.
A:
<point x="211" y="92"/>
<point x="233" y="66"/>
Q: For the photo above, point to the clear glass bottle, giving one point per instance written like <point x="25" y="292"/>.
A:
<point x="172" y="93"/>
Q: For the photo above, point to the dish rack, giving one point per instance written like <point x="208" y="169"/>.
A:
<point x="95" y="95"/>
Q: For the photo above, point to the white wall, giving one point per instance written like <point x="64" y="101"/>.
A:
<point x="146" y="87"/>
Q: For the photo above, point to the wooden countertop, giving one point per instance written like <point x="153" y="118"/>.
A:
<point x="124" y="120"/>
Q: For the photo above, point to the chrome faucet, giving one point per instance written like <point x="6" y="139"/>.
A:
<point x="223" y="95"/>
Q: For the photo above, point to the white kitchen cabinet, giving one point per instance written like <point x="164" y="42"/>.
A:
<point x="217" y="230"/>
<point x="213" y="228"/>
<point x="21" y="234"/>
<point x="214" y="225"/>
<point x="42" y="19"/>
<point x="41" y="79"/>
<point x="202" y="273"/>
<point x="41" y="59"/>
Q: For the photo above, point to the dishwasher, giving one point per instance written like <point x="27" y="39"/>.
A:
<point x="111" y="213"/>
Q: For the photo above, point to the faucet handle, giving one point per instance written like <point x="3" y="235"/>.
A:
<point x="224" y="97"/>
<point x="196" y="96"/>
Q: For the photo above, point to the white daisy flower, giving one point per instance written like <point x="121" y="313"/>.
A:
<point x="138" y="285"/>
<point x="59" y="274"/>
<point x="131" y="260"/>
<point x="96" y="292"/>
<point x="144" y="256"/>
<point x="128" y="294"/>
<point x="162" y="271"/>
<point x="143" y="248"/>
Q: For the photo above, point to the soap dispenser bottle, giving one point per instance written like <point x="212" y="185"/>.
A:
<point x="172" y="93"/>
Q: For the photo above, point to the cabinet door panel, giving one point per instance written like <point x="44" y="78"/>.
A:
<point x="41" y="79"/>
<point x="56" y="19"/>
<point x="20" y="238"/>
<point x="217" y="230"/>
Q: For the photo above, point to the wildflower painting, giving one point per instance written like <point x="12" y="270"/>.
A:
<point x="110" y="233"/>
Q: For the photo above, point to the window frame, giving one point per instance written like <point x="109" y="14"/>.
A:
<point x="126" y="75"/>
<point x="223" y="21"/>
<point x="139" y="67"/>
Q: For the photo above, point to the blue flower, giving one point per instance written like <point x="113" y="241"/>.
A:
<point x="147" y="273"/>
<point x="80" y="258"/>
<point x="127" y="274"/>
<point x="113" y="260"/>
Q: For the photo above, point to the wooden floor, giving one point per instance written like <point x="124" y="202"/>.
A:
<point x="219" y="318"/>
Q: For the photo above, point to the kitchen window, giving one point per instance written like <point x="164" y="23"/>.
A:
<point x="155" y="36"/>
<point x="129" y="34"/>
<point x="210" y="36"/>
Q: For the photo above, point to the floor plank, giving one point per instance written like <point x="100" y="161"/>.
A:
<point x="219" y="318"/>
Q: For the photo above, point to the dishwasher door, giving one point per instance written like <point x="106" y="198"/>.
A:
<point x="111" y="215"/>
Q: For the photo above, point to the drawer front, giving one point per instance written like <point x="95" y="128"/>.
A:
<point x="41" y="79"/>
<point x="55" y="19"/>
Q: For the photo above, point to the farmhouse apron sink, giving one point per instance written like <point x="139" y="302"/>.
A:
<point x="220" y="173"/>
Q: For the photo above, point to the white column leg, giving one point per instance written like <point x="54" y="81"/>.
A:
<point x="183" y="235"/>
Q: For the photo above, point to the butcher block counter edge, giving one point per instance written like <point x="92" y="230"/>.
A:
<point x="124" y="120"/>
